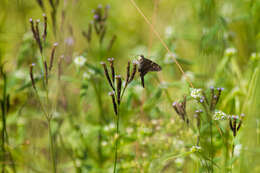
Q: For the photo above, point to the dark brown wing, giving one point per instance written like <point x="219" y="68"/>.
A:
<point x="146" y="65"/>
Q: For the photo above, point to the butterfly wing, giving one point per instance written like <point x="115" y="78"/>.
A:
<point x="146" y="65"/>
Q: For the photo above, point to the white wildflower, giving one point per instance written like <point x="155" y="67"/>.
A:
<point x="129" y="130"/>
<point x="78" y="162"/>
<point x="227" y="9"/>
<point x="154" y="122"/>
<point x="237" y="149"/>
<point x="86" y="75"/>
<point x="234" y="117"/>
<point x="91" y="71"/>
<point x="196" y="93"/>
<point x="230" y="51"/>
<point x="219" y="115"/>
<point x="178" y="144"/>
<point x="21" y="121"/>
<point x="104" y="143"/>
<point x="112" y="126"/>
<point x="179" y="161"/>
<point x="20" y="74"/>
<point x="80" y="60"/>
<point x="158" y="128"/>
<point x="56" y="114"/>
<point x="144" y="154"/>
<point x="163" y="85"/>
<point x="255" y="56"/>
<point x="195" y="149"/>
<point x="169" y="31"/>
<point x="169" y="58"/>
<point x="106" y="128"/>
<point x="138" y="89"/>
<point x="205" y="30"/>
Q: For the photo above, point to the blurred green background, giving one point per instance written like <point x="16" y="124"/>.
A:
<point x="216" y="42"/>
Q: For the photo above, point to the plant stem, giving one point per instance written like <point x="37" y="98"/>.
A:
<point x="3" y="106"/>
<point x="211" y="146"/>
<point x="232" y="155"/>
<point x="51" y="147"/>
<point x="117" y="139"/>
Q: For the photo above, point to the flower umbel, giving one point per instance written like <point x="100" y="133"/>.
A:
<point x="219" y="115"/>
<point x="80" y="60"/>
<point x="196" y="93"/>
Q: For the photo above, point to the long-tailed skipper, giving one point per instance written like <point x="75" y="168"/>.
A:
<point x="146" y="65"/>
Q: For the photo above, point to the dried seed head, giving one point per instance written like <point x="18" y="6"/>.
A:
<point x="205" y="97"/>
<point x="107" y="75"/>
<point x="31" y="75"/>
<point x="111" y="60"/>
<point x="119" y="86"/>
<point x="111" y="43"/>
<point x="8" y="103"/>
<point x="40" y="3"/>
<point x="59" y="66"/>
<point x="134" y="71"/>
<point x="128" y="72"/>
<point x="33" y="29"/>
<point x="180" y="109"/>
<point x="46" y="72"/>
<point x="102" y="36"/>
<point x="38" y="40"/>
<point x="174" y="105"/>
<point x="112" y="94"/>
<point x="44" y="35"/>
<point x="96" y="27"/>
<point x="52" y="55"/>
<point x="197" y="116"/>
<point x="88" y="34"/>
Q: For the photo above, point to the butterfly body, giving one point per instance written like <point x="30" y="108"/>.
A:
<point x="145" y="66"/>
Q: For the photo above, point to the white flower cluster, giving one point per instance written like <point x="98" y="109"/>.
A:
<point x="219" y="115"/>
<point x="238" y="149"/>
<point x="80" y="60"/>
<point x="195" y="149"/>
<point x="169" y="31"/>
<point x="255" y="56"/>
<point x="230" y="51"/>
<point x="196" y="93"/>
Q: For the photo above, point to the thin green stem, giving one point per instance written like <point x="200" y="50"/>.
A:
<point x="117" y="139"/>
<point x="232" y="155"/>
<point x="3" y="106"/>
<point x="51" y="147"/>
<point x="211" y="146"/>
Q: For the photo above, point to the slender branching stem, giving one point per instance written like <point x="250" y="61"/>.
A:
<point x="51" y="147"/>
<point x="117" y="139"/>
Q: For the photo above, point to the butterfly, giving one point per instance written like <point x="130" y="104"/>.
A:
<point x="146" y="65"/>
